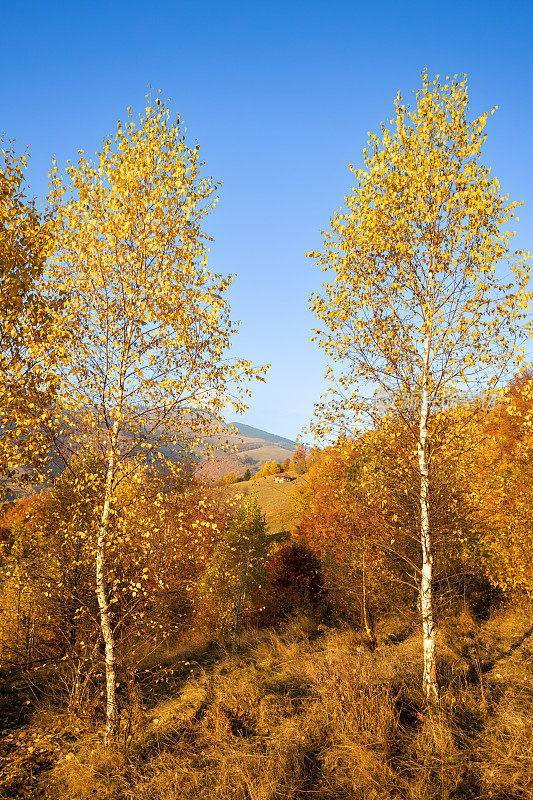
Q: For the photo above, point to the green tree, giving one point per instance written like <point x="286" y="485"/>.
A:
<point x="418" y="311"/>
<point x="235" y="580"/>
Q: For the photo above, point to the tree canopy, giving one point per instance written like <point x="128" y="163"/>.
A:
<point x="28" y="336"/>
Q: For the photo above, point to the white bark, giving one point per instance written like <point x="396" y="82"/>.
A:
<point x="426" y="600"/>
<point x="101" y="586"/>
<point x="103" y="604"/>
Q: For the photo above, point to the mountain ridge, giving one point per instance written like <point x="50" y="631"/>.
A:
<point x="257" y="433"/>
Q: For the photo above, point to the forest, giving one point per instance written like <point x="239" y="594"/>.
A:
<point x="158" y="638"/>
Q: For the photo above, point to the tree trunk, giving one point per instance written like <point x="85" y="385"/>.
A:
<point x="101" y="587"/>
<point x="103" y="604"/>
<point x="426" y="600"/>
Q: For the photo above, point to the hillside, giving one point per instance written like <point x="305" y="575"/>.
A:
<point x="274" y="498"/>
<point x="256" y="433"/>
<point x="250" y="450"/>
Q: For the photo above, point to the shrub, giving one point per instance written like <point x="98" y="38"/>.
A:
<point x="296" y="581"/>
<point x="234" y="581"/>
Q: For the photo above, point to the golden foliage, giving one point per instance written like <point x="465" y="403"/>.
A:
<point x="148" y="373"/>
<point x="418" y="311"/>
<point x="268" y="468"/>
<point x="158" y="546"/>
<point x="27" y="329"/>
<point x="418" y="252"/>
<point x="150" y="321"/>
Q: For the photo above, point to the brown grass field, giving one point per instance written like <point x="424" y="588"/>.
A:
<point x="294" y="714"/>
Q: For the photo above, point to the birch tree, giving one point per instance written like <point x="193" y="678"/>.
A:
<point x="148" y="373"/>
<point x="427" y="297"/>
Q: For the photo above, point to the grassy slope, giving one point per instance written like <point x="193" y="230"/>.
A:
<point x="221" y="465"/>
<point x="294" y="715"/>
<point x="274" y="499"/>
<point x="267" y="452"/>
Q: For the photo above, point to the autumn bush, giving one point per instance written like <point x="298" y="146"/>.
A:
<point x="359" y="515"/>
<point x="500" y="492"/>
<point x="296" y="582"/>
<point x="47" y="588"/>
<point x="159" y="542"/>
<point x="350" y="513"/>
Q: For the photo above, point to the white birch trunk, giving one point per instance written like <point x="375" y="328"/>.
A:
<point x="101" y="585"/>
<point x="426" y="600"/>
<point x="103" y="604"/>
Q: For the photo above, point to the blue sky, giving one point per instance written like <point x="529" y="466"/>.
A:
<point x="280" y="97"/>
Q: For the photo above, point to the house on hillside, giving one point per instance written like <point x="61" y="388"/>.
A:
<point x="282" y="478"/>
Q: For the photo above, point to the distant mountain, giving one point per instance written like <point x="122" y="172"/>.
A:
<point x="258" y="447"/>
<point x="256" y="433"/>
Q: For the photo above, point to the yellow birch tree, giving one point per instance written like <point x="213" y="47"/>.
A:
<point x="427" y="299"/>
<point x="147" y="374"/>
<point x="26" y="326"/>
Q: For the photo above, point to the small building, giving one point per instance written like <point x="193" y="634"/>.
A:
<point x="282" y="478"/>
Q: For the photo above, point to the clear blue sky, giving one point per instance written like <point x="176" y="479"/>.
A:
<point x="280" y="97"/>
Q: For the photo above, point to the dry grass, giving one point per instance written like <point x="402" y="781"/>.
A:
<point x="289" y="717"/>
<point x="274" y="498"/>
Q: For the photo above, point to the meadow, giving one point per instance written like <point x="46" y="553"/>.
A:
<point x="299" y="712"/>
<point x="274" y="498"/>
